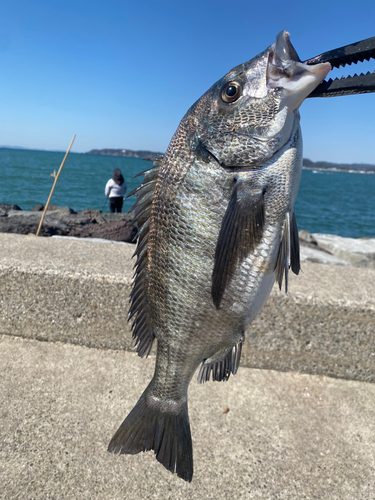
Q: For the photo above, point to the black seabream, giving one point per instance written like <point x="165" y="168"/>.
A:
<point x="216" y="230"/>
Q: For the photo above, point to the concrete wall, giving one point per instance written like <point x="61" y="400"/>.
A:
<point x="77" y="292"/>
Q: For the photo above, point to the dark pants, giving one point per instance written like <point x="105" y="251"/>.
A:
<point x="115" y="204"/>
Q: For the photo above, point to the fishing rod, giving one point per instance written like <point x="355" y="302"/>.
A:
<point x="107" y="198"/>
<point x="56" y="176"/>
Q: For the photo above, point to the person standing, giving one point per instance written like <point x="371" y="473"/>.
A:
<point x="115" y="189"/>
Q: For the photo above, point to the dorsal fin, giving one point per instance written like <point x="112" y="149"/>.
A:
<point x="142" y="331"/>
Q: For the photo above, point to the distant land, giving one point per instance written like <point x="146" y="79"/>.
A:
<point x="126" y="153"/>
<point x="12" y="147"/>
<point x="362" y="168"/>
<point x="357" y="168"/>
<point x="31" y="149"/>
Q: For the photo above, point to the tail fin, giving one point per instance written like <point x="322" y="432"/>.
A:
<point x="151" y="427"/>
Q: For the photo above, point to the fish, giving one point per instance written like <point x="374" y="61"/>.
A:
<point x="216" y="230"/>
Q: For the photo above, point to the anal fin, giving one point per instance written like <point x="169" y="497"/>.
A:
<point x="221" y="365"/>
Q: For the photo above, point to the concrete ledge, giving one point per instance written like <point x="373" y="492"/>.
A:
<point x="77" y="292"/>
<point x="286" y="436"/>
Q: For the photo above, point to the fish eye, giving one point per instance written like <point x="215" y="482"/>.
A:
<point x="231" y="92"/>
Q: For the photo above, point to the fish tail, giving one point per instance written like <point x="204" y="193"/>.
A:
<point x="164" y="428"/>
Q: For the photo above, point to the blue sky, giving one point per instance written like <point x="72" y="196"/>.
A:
<point x="123" y="74"/>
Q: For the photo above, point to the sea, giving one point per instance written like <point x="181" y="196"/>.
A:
<point x="329" y="202"/>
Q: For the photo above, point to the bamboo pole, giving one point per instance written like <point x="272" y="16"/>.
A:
<point x="53" y="187"/>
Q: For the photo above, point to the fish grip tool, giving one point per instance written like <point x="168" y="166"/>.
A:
<point x="346" y="55"/>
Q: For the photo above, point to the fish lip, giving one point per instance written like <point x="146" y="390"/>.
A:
<point x="292" y="51"/>
<point x="286" y="71"/>
<point x="284" y="56"/>
<point x="284" y="48"/>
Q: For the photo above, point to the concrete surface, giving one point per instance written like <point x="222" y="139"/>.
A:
<point x="77" y="292"/>
<point x="286" y="436"/>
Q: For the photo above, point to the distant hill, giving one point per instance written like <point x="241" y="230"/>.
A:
<point x="338" y="167"/>
<point x="128" y="153"/>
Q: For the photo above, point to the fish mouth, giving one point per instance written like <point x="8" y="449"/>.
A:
<point x="286" y="72"/>
<point x="354" y="53"/>
<point x="285" y="57"/>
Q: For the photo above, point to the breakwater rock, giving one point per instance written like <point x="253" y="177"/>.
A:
<point x="333" y="249"/>
<point x="64" y="221"/>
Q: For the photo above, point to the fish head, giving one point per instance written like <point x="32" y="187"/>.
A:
<point x="250" y="113"/>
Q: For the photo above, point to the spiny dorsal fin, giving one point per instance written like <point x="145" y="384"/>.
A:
<point x="288" y="256"/>
<point x="142" y="332"/>
<point x="241" y="230"/>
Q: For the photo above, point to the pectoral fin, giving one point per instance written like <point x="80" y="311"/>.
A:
<point x="288" y="256"/>
<point x="241" y="230"/>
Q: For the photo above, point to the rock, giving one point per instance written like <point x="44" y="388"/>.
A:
<point x="52" y="208"/>
<point x="115" y="231"/>
<point x="306" y="236"/>
<point x="56" y="207"/>
<point x="359" y="252"/>
<point x="61" y="213"/>
<point x="309" y="254"/>
<point x="91" y="213"/>
<point x="114" y="227"/>
<point x="79" y="219"/>
<point x="105" y="218"/>
<point x="38" y="208"/>
<point x="25" y="222"/>
<point x="8" y="208"/>
<point x="64" y="221"/>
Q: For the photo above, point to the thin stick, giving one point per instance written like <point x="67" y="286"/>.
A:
<point x="53" y="187"/>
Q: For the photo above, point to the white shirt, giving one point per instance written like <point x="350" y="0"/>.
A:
<point x="114" y="190"/>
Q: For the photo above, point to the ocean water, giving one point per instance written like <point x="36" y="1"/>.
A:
<point x="25" y="178"/>
<point x="328" y="202"/>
